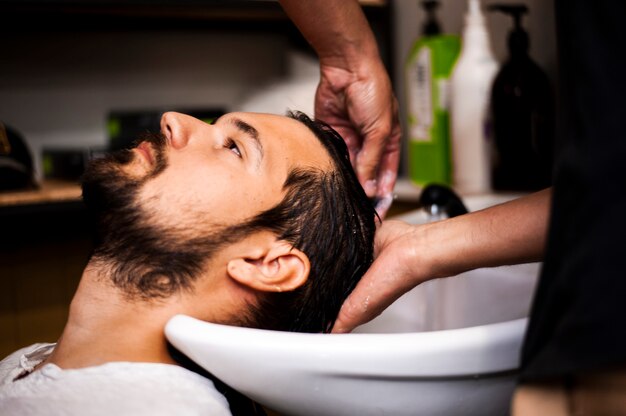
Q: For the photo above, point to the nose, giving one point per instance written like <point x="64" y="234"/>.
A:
<point x="176" y="129"/>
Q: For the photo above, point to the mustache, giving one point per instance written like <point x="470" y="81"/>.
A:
<point x="157" y="139"/>
<point x="125" y="156"/>
<point x="159" y="143"/>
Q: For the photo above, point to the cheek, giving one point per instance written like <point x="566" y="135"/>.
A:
<point x="187" y="192"/>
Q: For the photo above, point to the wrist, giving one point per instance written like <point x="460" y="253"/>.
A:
<point x="342" y="72"/>
<point x="354" y="57"/>
<point x="441" y="248"/>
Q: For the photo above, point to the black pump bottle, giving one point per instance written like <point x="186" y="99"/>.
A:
<point x="431" y="26"/>
<point x="522" y="111"/>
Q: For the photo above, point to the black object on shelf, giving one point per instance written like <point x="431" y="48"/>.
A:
<point x="68" y="163"/>
<point x="16" y="162"/>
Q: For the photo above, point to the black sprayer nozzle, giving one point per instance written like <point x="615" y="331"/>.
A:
<point x="431" y="26"/>
<point x="518" y="38"/>
<point x="444" y="198"/>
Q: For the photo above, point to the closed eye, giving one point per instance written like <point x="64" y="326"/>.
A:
<point x="230" y="144"/>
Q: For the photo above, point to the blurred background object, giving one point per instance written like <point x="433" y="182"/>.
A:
<point x="522" y="115"/>
<point x="16" y="163"/>
<point x="428" y="69"/>
<point x="126" y="127"/>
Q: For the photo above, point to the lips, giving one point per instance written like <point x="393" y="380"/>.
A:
<point x="145" y="151"/>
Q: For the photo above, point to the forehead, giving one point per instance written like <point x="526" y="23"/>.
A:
<point x="287" y="141"/>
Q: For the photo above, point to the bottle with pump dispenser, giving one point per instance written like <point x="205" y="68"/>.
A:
<point x="427" y="70"/>
<point x="522" y="114"/>
<point x="470" y="89"/>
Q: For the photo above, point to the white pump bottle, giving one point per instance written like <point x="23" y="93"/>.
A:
<point x="471" y="82"/>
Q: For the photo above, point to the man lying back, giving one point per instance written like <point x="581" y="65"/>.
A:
<point x="256" y="220"/>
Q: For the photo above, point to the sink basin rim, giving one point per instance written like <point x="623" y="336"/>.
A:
<point x="485" y="349"/>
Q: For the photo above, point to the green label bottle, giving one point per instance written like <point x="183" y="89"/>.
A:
<point x="428" y="69"/>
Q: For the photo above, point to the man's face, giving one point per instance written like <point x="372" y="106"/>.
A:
<point x="165" y="208"/>
<point x="224" y="173"/>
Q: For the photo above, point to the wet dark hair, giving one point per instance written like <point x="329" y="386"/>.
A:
<point x="326" y="215"/>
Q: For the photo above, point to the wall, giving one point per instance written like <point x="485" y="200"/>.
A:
<point x="58" y="88"/>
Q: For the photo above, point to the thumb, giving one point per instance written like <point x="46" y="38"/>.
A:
<point x="370" y="297"/>
<point x="369" y="158"/>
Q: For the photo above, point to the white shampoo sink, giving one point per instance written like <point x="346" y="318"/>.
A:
<point x="448" y="347"/>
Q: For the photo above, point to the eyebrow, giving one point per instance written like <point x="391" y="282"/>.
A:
<point x="251" y="132"/>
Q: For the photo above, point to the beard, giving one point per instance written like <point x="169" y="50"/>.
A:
<point x="141" y="258"/>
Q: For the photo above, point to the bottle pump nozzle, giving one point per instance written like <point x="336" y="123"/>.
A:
<point x="518" y="38"/>
<point x="431" y="26"/>
<point x="474" y="14"/>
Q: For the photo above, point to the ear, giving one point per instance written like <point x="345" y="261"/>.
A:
<point x="270" y="265"/>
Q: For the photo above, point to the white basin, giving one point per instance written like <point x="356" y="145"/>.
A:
<point x="448" y="347"/>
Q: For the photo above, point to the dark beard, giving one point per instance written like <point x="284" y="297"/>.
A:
<point x="140" y="258"/>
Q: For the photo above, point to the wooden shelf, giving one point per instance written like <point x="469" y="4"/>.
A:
<point x="49" y="192"/>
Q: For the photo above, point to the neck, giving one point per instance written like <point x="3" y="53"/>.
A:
<point x="105" y="326"/>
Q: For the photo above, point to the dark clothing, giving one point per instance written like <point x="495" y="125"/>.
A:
<point x="578" y="318"/>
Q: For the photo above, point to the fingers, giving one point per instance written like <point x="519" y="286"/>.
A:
<point x="352" y="142"/>
<point x="360" y="307"/>
<point x="367" y="161"/>
<point x="364" y="111"/>
<point x="387" y="175"/>
<point x="367" y="300"/>
<point x="379" y="157"/>
<point x="388" y="169"/>
<point x="391" y="275"/>
<point x="383" y="204"/>
<point x="375" y="137"/>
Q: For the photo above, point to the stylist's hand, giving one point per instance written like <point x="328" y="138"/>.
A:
<point x="393" y="273"/>
<point x="359" y="104"/>
<point x="407" y="255"/>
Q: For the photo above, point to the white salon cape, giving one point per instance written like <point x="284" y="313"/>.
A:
<point x="117" y="388"/>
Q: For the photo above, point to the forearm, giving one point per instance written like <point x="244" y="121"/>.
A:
<point x="408" y="255"/>
<point x="337" y="30"/>
<point x="510" y="233"/>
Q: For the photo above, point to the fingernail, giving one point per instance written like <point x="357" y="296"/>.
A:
<point x="387" y="179"/>
<point x="384" y="203"/>
<point x="370" y="187"/>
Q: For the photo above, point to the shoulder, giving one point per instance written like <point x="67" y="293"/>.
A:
<point x="166" y="389"/>
<point x="24" y="359"/>
<point x="119" y="388"/>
